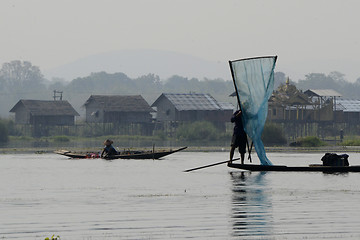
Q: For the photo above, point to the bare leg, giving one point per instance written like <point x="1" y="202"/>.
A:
<point x="231" y="153"/>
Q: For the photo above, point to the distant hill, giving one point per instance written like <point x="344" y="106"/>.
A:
<point x="135" y="63"/>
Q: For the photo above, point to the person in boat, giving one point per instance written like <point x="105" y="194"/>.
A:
<point x="108" y="150"/>
<point x="239" y="138"/>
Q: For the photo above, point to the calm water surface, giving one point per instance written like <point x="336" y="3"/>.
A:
<point x="45" y="194"/>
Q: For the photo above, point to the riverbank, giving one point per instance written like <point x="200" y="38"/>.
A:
<point x="324" y="149"/>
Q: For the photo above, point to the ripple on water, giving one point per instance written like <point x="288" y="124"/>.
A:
<point x="44" y="194"/>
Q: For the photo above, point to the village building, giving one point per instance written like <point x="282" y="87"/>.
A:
<point x="119" y="113"/>
<point x="324" y="102"/>
<point x="117" y="109"/>
<point x="190" y="107"/>
<point x="347" y="112"/>
<point x="42" y="114"/>
<point x="287" y="103"/>
<point x="319" y="112"/>
<point x="39" y="112"/>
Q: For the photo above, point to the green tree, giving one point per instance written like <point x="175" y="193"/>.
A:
<point x="20" y="80"/>
<point x="337" y="76"/>
<point x="57" y="84"/>
<point x="148" y="83"/>
<point x="102" y="83"/>
<point x="177" y="84"/>
<point x="22" y="75"/>
<point x="335" y="80"/>
<point x="317" y="81"/>
<point x="217" y="87"/>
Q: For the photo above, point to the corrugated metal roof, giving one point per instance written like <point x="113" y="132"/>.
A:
<point x="192" y="101"/>
<point x="348" y="105"/>
<point x="46" y="108"/>
<point x="118" y="103"/>
<point x="226" y="106"/>
<point x="323" y="93"/>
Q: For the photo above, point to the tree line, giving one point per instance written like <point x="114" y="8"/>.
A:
<point x="22" y="80"/>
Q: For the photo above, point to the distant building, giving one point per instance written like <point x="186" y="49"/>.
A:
<point x="40" y="116"/>
<point x="324" y="102"/>
<point x="322" y="95"/>
<point x="190" y="107"/>
<point x="314" y="112"/>
<point x="117" y="109"/>
<point x="288" y="103"/>
<point x="347" y="111"/>
<point x="47" y="113"/>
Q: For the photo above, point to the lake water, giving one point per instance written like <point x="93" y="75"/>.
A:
<point x="45" y="194"/>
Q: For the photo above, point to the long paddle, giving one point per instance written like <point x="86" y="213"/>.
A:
<point x="210" y="165"/>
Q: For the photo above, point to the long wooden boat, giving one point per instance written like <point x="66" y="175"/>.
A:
<point x="123" y="155"/>
<point x="283" y="168"/>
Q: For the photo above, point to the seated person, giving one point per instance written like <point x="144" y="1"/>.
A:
<point x="108" y="150"/>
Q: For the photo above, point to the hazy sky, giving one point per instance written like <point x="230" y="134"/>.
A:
<point x="307" y="35"/>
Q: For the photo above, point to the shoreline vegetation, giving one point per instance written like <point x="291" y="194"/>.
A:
<point x="285" y="149"/>
<point x="50" y="144"/>
<point x="197" y="136"/>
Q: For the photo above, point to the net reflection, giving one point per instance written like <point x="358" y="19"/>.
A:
<point x="251" y="207"/>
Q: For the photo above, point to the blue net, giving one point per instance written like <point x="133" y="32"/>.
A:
<point x="254" y="84"/>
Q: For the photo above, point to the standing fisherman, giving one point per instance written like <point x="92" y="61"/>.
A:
<point x="239" y="138"/>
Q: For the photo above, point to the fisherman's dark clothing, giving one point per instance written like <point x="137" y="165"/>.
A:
<point x="239" y="137"/>
<point x="109" y="151"/>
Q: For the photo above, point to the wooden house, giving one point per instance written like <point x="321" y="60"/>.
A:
<point x="191" y="107"/>
<point x="347" y="111"/>
<point x="287" y="103"/>
<point x="294" y="108"/>
<point x="117" y="109"/>
<point x="46" y="113"/>
<point x="324" y="101"/>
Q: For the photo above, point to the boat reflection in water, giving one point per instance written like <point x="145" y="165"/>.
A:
<point x="251" y="206"/>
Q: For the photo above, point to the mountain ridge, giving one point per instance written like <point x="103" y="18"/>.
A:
<point x="136" y="63"/>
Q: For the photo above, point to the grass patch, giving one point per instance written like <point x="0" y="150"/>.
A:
<point x="310" y="141"/>
<point x="354" y="141"/>
<point x="273" y="135"/>
<point x="61" y="139"/>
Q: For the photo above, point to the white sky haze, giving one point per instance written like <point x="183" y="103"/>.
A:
<point x="307" y="35"/>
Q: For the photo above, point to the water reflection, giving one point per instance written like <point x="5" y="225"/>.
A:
<point x="251" y="207"/>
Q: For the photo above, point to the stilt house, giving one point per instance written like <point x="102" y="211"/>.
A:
<point x="190" y="107"/>
<point x="45" y="113"/>
<point x="117" y="109"/>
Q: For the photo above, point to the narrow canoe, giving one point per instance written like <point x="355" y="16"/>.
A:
<point x="128" y="155"/>
<point x="283" y="168"/>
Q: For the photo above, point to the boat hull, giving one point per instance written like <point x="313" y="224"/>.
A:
<point x="146" y="155"/>
<point x="283" y="168"/>
<point x="137" y="155"/>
